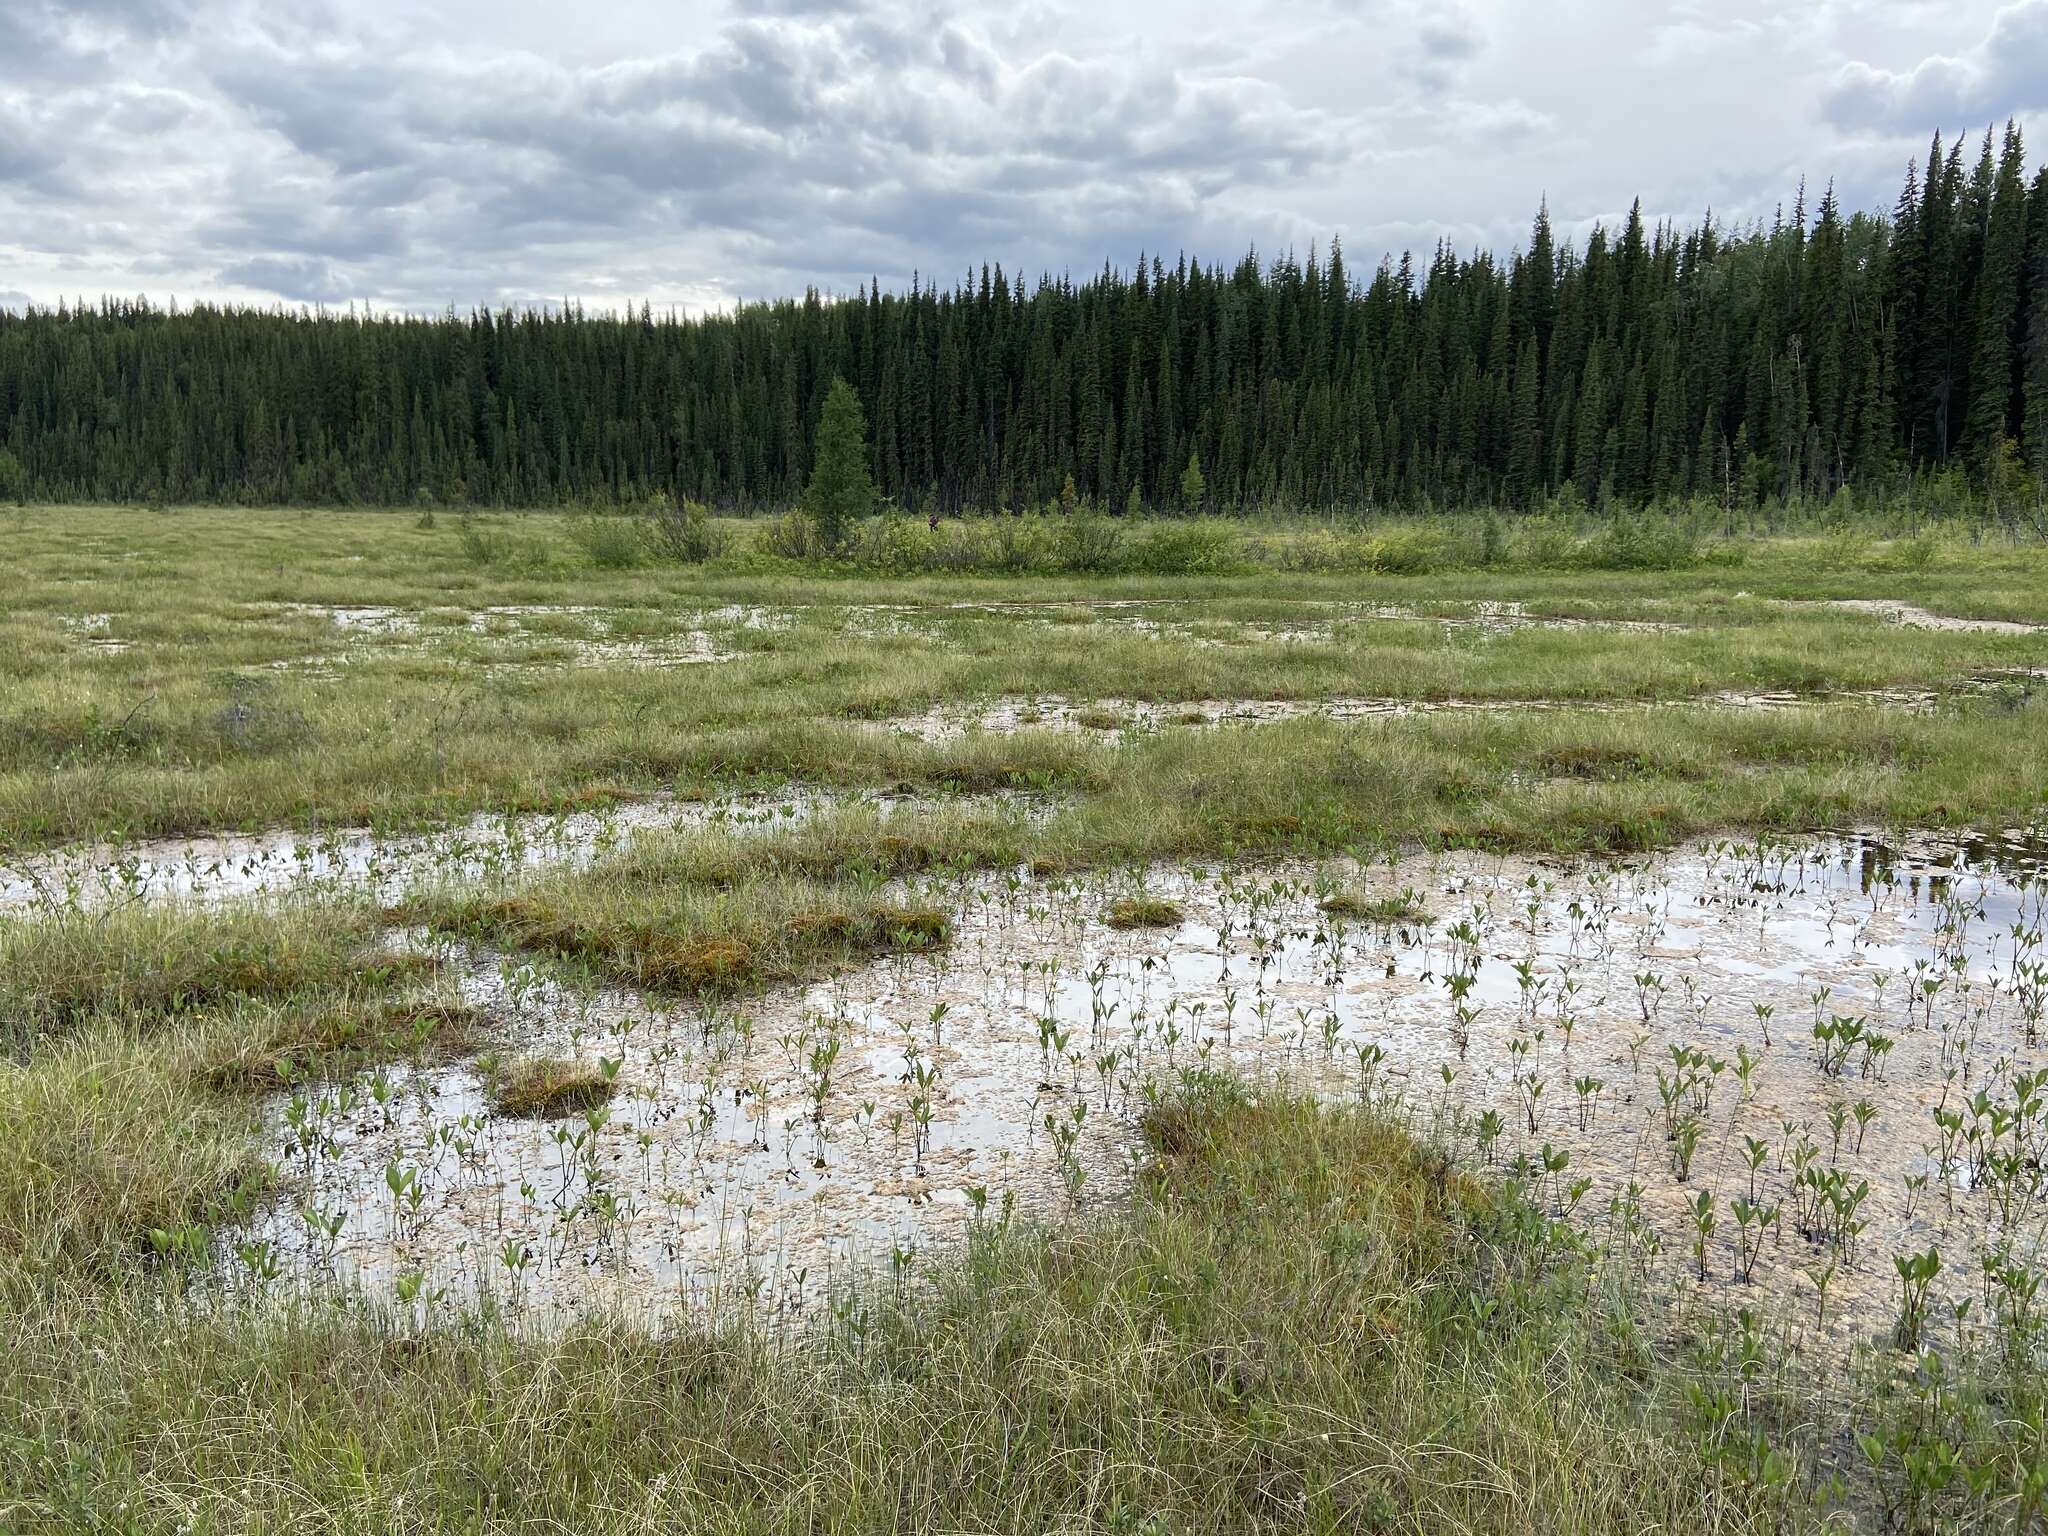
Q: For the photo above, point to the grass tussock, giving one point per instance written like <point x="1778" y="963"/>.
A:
<point x="1382" y="911"/>
<point x="548" y="1087"/>
<point x="105" y="1140"/>
<point x="705" y="939"/>
<point x="144" y="964"/>
<point x="1143" y="912"/>
<point x="332" y="1037"/>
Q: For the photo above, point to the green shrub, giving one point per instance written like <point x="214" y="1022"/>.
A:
<point x="792" y="537"/>
<point x="487" y="542"/>
<point x="1088" y="542"/>
<point x="680" y="532"/>
<point x="898" y="545"/>
<point x="1639" y="545"/>
<point x="484" y="543"/>
<point x="1399" y="551"/>
<point x="1545" y="545"/>
<point x="608" y="541"/>
<point x="1203" y="547"/>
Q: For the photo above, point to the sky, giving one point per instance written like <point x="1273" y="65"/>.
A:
<point x="696" y="153"/>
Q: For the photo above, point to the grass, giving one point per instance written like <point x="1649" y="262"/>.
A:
<point x="331" y="1037"/>
<point x="547" y="1088"/>
<point x="1303" y="1317"/>
<point x="104" y="1139"/>
<point x="711" y="932"/>
<point x="144" y="965"/>
<point x="1397" y="907"/>
<point x="1316" y="787"/>
<point x="1306" y="1322"/>
<point x="1143" y="912"/>
<point x="231" y="709"/>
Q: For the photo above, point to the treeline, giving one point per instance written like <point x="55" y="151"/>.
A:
<point x="1782" y="361"/>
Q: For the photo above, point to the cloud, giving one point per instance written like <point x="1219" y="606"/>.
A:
<point x="2006" y="73"/>
<point x="703" y="152"/>
<point x="14" y="301"/>
<point x="305" y="278"/>
<point x="781" y="130"/>
<point x="1445" y="41"/>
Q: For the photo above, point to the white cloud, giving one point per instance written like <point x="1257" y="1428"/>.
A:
<point x="686" y="152"/>
<point x="2003" y="75"/>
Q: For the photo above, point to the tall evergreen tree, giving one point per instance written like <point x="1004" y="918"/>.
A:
<point x="840" y="492"/>
<point x="2034" y="363"/>
<point x="1998" y="305"/>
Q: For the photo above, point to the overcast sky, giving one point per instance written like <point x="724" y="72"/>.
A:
<point x="693" y="154"/>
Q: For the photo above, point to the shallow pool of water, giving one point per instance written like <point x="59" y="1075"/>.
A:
<point x="1641" y="1020"/>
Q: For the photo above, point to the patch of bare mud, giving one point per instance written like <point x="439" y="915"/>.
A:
<point x="1058" y="712"/>
<point x="511" y="634"/>
<point x="1908" y="616"/>
<point x="361" y="860"/>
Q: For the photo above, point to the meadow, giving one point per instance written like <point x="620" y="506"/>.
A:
<point x="1166" y="1027"/>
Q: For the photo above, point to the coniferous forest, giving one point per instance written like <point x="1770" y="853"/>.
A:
<point x="1879" y="350"/>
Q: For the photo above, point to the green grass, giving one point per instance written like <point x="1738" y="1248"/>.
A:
<point x="1306" y="1322"/>
<point x="1143" y="912"/>
<point x="546" y="1088"/>
<point x="1303" y="1318"/>
<point x="723" y="930"/>
<point x="218" y="716"/>
<point x="1403" y="907"/>
<point x="326" y="1038"/>
<point x="144" y="965"/>
<point x="105" y="1138"/>
<point x="1315" y="787"/>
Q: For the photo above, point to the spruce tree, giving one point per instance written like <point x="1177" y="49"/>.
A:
<point x="1907" y="298"/>
<point x="1998" y="298"/>
<point x="1525" y="431"/>
<point x="1862" y="355"/>
<point x="2034" y="369"/>
<point x="1591" y="425"/>
<point x="841" y="491"/>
